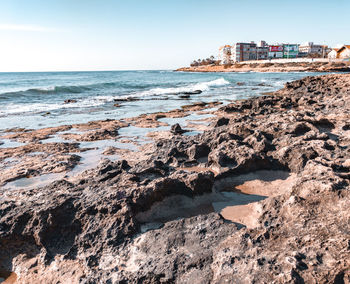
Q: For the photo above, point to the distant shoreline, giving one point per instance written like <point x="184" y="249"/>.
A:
<point x="273" y="67"/>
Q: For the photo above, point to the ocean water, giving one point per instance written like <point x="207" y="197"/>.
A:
<point x="36" y="100"/>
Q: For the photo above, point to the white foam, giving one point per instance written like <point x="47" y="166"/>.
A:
<point x="279" y="83"/>
<point x="33" y="107"/>
<point x="100" y="100"/>
<point x="204" y="86"/>
<point x="49" y="88"/>
<point x="45" y="107"/>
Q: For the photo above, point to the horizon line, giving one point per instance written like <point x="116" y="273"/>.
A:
<point x="111" y="70"/>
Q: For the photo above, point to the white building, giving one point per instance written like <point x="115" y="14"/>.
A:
<point x="311" y="48"/>
<point x="225" y="54"/>
<point x="341" y="53"/>
<point x="333" y="54"/>
<point x="344" y="52"/>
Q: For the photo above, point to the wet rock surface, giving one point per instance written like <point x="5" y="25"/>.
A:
<point x="37" y="159"/>
<point x="27" y="154"/>
<point x="88" y="229"/>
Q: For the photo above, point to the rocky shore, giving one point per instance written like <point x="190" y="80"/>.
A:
<point x="261" y="196"/>
<point x="273" y="67"/>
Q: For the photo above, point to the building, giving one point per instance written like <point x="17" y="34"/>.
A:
<point x="313" y="49"/>
<point x="344" y="52"/>
<point x="333" y="54"/>
<point x="275" y="51"/>
<point x="225" y="54"/>
<point x="340" y="53"/>
<point x="290" y="50"/>
<point x="244" y="51"/>
<point x="247" y="51"/>
<point x="262" y="43"/>
<point x="262" y="52"/>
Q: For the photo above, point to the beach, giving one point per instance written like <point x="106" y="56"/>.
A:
<point x="212" y="178"/>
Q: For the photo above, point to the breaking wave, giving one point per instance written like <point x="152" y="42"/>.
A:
<point x="94" y="101"/>
<point x="46" y="107"/>
<point x="46" y="90"/>
<point x="203" y="86"/>
<point x="73" y="89"/>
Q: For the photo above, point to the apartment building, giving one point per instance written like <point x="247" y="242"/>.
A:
<point x="275" y="51"/>
<point x="313" y="49"/>
<point x="225" y="54"/>
<point x="290" y="50"/>
<point x="242" y="51"/>
<point x="262" y="50"/>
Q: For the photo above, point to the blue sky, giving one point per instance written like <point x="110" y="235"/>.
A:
<point x="154" y="34"/>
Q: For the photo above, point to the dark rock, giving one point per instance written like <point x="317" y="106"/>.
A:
<point x="264" y="85"/>
<point x="201" y="183"/>
<point x="109" y="170"/>
<point x="176" y="129"/>
<point x="222" y="121"/>
<point x="196" y="92"/>
<point x="197" y="151"/>
<point x="346" y="126"/>
<point x="300" y="129"/>
<point x="70" y="101"/>
<point x="129" y="99"/>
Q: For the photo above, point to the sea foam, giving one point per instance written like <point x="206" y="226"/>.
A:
<point x="203" y="86"/>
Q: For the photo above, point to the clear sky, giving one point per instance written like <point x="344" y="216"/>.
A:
<point x="49" y="35"/>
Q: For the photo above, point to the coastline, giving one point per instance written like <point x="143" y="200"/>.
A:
<point x="272" y="67"/>
<point x="65" y="146"/>
<point x="107" y="223"/>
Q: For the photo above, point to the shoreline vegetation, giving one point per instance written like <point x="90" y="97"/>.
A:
<point x="271" y="67"/>
<point x="261" y="193"/>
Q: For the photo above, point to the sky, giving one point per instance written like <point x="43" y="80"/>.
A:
<point x="77" y="35"/>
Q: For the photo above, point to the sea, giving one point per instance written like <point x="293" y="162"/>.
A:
<point x="37" y="100"/>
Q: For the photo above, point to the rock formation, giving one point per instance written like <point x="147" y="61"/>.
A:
<point x="272" y="67"/>
<point x="106" y="226"/>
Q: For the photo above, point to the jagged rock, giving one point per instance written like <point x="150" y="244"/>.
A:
<point x="189" y="245"/>
<point x="89" y="229"/>
<point x="222" y="121"/>
<point x="176" y="129"/>
<point x="197" y="151"/>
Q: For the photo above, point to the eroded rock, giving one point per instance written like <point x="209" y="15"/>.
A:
<point x="92" y="228"/>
